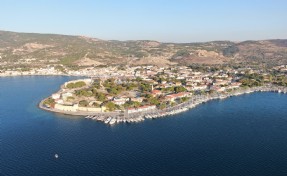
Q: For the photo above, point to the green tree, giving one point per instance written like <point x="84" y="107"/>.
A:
<point x="100" y="96"/>
<point x="162" y="105"/>
<point x="110" y="106"/>
<point x="49" y="101"/>
<point x="83" y="103"/>
<point x="179" y="89"/>
<point x="76" y="85"/>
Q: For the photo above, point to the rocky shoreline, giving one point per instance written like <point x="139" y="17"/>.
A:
<point x="112" y="118"/>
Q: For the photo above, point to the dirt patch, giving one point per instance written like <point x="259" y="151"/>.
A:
<point x="159" y="61"/>
<point x="87" y="62"/>
<point x="31" y="47"/>
<point x="204" y="60"/>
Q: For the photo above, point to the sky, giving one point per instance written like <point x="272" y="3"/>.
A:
<point x="161" y="20"/>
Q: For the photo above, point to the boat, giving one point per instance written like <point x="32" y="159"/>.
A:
<point x="108" y="120"/>
<point x="113" y="121"/>
<point x="56" y="156"/>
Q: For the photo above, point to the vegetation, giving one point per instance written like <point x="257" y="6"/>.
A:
<point x="49" y="101"/>
<point x="76" y="85"/>
<point x="110" y="106"/>
<point x="181" y="53"/>
<point x="132" y="104"/>
<point x="83" y="103"/>
<point x="252" y="80"/>
<point x="230" y="50"/>
<point x="174" y="89"/>
<point x="70" y="51"/>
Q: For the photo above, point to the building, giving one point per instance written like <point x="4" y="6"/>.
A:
<point x="156" y="93"/>
<point x="120" y="101"/>
<point x="141" y="109"/>
<point x="173" y="97"/>
<point x="56" y="96"/>
<point x="61" y="107"/>
<point x="92" y="109"/>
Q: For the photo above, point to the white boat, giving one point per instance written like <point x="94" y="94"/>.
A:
<point x="113" y="121"/>
<point x="108" y="120"/>
<point x="56" y="156"/>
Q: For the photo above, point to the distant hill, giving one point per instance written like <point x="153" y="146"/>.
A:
<point x="33" y="50"/>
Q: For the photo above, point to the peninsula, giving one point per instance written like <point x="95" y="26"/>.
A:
<point x="133" y="94"/>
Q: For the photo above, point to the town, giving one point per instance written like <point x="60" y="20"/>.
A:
<point x="132" y="94"/>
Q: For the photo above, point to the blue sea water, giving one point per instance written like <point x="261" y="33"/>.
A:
<point x="244" y="135"/>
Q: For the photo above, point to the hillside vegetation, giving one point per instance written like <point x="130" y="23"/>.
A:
<point x="26" y="50"/>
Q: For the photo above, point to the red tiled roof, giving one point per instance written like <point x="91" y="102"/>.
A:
<point x="177" y="95"/>
<point x="156" y="92"/>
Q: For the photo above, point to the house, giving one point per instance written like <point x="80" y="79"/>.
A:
<point x="234" y="85"/>
<point x="141" y="109"/>
<point x="195" y="79"/>
<point x="120" y="101"/>
<point x="56" y="96"/>
<point x="109" y="97"/>
<point x="59" y="101"/>
<point x="219" y="82"/>
<point x="172" y="97"/>
<point x="200" y="87"/>
<point x="217" y="88"/>
<point x="137" y="99"/>
<point x="66" y="95"/>
<point x="156" y="93"/>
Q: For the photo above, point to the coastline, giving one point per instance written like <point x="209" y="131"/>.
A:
<point x="16" y="75"/>
<point x="122" y="117"/>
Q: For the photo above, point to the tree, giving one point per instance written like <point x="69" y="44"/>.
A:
<point x="183" y="99"/>
<point x="76" y="85"/>
<point x="49" y="101"/>
<point x="83" y="103"/>
<point x="110" y="106"/>
<point x="162" y="106"/>
<point x="95" y="104"/>
<point x="100" y="96"/>
<point x="145" y="87"/>
<point x="96" y="85"/>
<point x="179" y="89"/>
<point x="113" y="91"/>
<point x="153" y="101"/>
<point x="132" y="104"/>
<point x="138" y="79"/>
<point x="230" y="51"/>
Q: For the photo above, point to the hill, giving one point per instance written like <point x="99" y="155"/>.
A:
<point x="36" y="50"/>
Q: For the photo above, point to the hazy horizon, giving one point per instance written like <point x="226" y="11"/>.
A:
<point x="164" y="21"/>
<point x="143" y="39"/>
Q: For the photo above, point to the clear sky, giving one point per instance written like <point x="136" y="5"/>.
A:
<point x="162" y="20"/>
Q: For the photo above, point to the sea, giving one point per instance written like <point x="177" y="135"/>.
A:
<point x="239" y="136"/>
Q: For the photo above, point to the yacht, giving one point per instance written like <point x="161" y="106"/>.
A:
<point x="113" y="121"/>
<point x="108" y="120"/>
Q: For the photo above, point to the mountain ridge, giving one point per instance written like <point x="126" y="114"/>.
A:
<point x="36" y="50"/>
